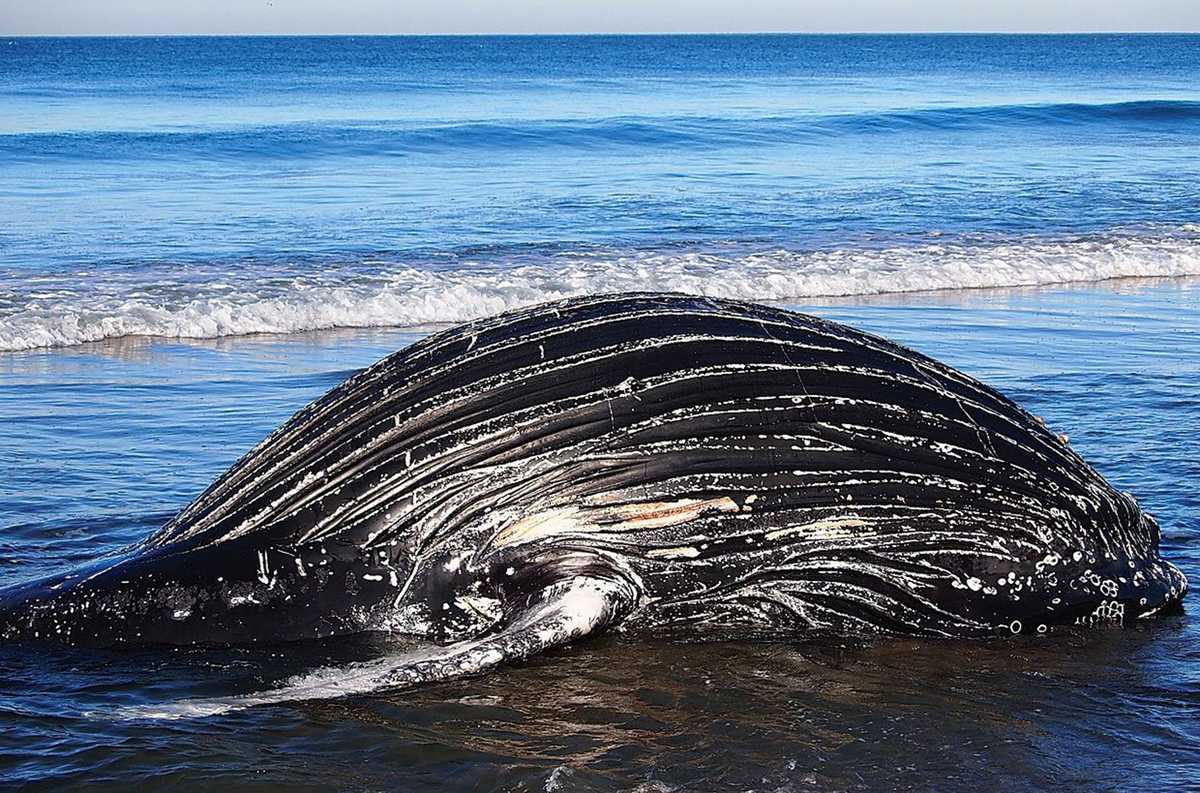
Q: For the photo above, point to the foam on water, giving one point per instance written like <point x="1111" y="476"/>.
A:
<point x="211" y="301"/>
<point x="325" y="683"/>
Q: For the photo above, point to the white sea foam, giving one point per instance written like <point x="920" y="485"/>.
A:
<point x="408" y="665"/>
<point x="324" y="683"/>
<point x="210" y="302"/>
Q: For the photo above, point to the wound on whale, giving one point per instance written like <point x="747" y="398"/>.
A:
<point x="645" y="463"/>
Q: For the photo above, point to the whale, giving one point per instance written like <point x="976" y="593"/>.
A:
<point x="647" y="464"/>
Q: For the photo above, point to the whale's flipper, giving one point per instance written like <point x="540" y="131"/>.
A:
<point x="562" y="612"/>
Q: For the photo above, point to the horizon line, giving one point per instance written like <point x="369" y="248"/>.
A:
<point x="582" y="34"/>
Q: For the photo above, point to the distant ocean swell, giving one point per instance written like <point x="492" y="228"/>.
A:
<point x="384" y="138"/>
<point x="219" y="300"/>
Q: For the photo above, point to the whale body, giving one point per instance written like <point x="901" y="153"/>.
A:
<point x="646" y="463"/>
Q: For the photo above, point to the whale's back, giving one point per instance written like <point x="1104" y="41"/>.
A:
<point x="753" y="469"/>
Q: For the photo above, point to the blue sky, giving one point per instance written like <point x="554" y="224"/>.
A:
<point x="587" y="16"/>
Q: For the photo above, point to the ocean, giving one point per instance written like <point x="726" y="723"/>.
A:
<point x="199" y="235"/>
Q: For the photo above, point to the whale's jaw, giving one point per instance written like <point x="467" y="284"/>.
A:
<point x="189" y="596"/>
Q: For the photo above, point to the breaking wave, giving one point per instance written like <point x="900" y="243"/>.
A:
<point x="216" y="300"/>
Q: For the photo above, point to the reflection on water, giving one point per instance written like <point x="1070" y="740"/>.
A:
<point x="1085" y="709"/>
<point x="108" y="440"/>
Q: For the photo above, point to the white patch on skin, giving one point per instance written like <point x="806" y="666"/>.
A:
<point x="833" y="529"/>
<point x="686" y="552"/>
<point x="486" y="608"/>
<point x="622" y="518"/>
<point x="264" y="572"/>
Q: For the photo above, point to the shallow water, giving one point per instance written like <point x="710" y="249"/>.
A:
<point x="103" y="442"/>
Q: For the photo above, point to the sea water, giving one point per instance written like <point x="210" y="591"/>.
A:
<point x="209" y="187"/>
<point x="161" y="198"/>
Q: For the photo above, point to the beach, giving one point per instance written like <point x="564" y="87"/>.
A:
<point x="204" y="235"/>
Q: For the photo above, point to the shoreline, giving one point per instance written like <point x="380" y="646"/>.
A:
<point x="322" y="336"/>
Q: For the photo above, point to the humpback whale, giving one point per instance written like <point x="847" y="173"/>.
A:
<point x="644" y="463"/>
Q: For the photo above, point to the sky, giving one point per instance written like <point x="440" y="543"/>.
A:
<point x="141" y="17"/>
